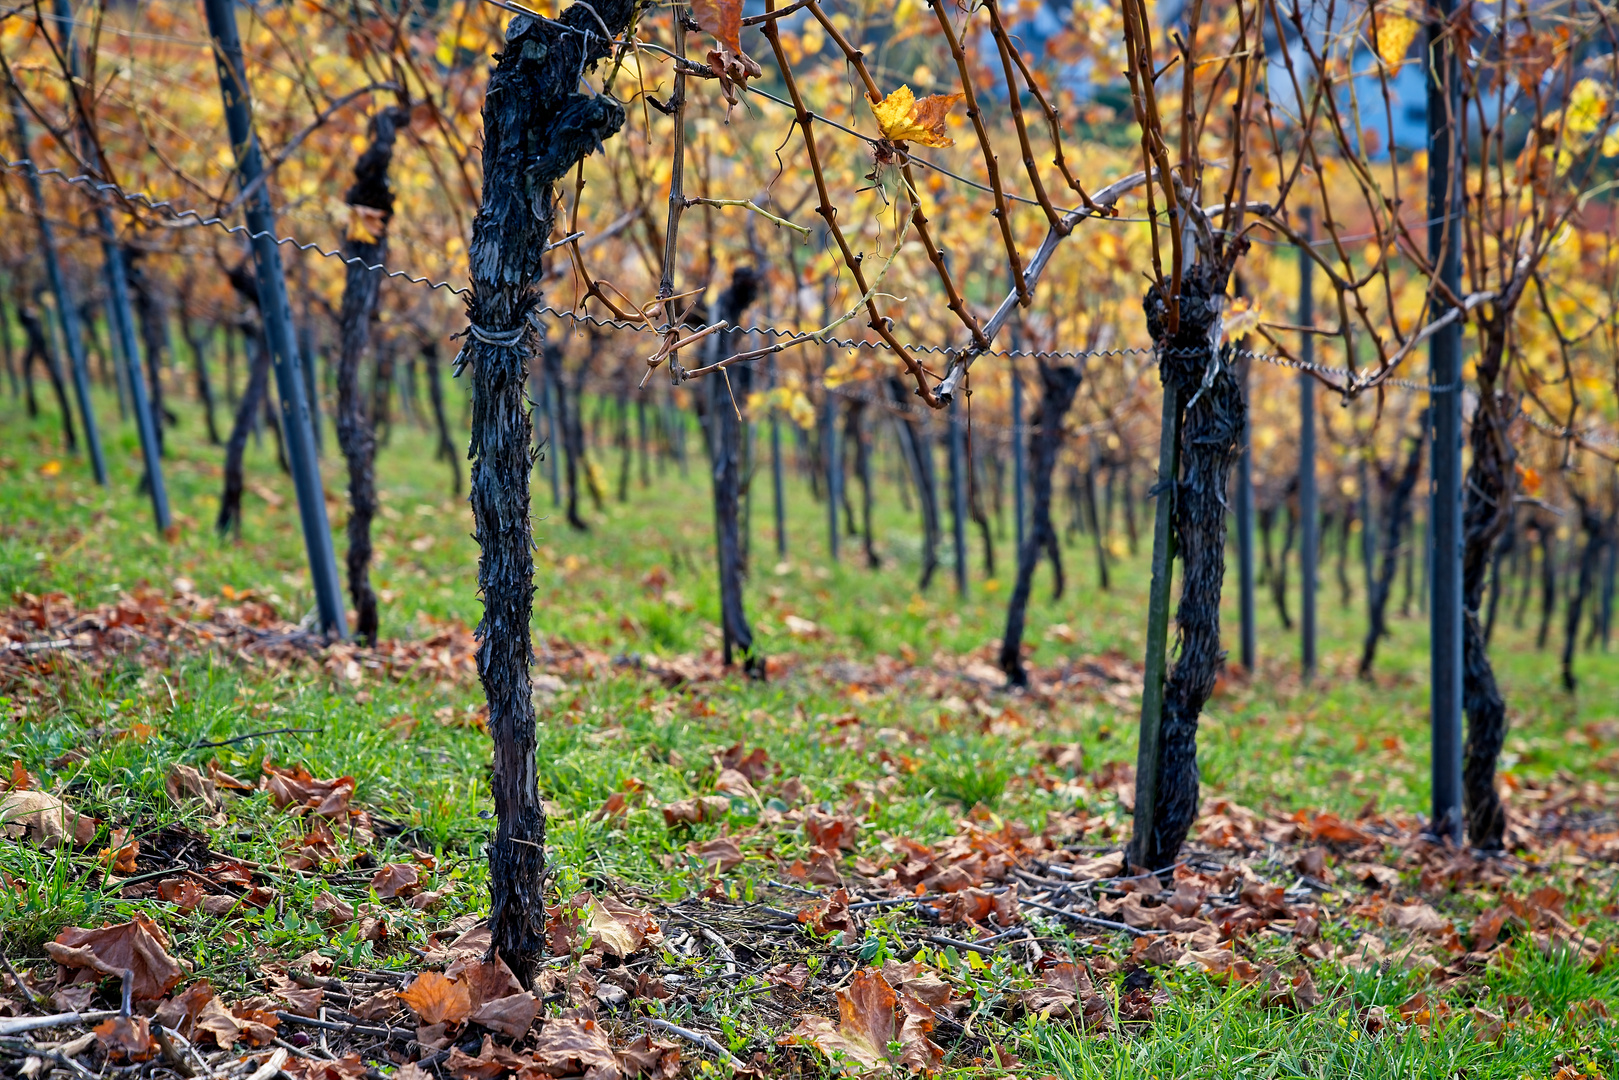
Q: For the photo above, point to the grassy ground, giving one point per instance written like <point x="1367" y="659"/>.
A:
<point x="106" y="736"/>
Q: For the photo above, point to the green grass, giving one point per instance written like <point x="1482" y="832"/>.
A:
<point x="918" y="756"/>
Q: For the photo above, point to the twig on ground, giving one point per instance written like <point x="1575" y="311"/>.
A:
<point x="259" y="735"/>
<point x="699" y="1038"/>
<point x="27" y="991"/>
<point x="17" y="1025"/>
<point x="1091" y="920"/>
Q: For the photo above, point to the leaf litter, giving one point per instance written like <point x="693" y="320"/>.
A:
<point x="871" y="952"/>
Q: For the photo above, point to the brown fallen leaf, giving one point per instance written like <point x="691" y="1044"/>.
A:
<point x="511" y="1015"/>
<point x="182" y="892"/>
<point x="869" y="1020"/>
<point x="180" y="1012"/>
<point x="616" y="806"/>
<point x="831" y="915"/>
<point x="647" y="1057"/>
<point x="719" y="854"/>
<point x="732" y="782"/>
<point x="794" y="975"/>
<point x="693" y="811"/>
<point x="43" y="817"/>
<point x="216" y="1022"/>
<point x="295" y="789"/>
<point x="185" y="782"/>
<point x="492" y="1061"/>
<point x="396" y="880"/>
<point x="570" y="1045"/>
<point x="301" y="1000"/>
<point x="437" y="1000"/>
<point x="127" y="1038"/>
<point x="1418" y="918"/>
<point x="486" y="980"/>
<point x="333" y="910"/>
<point x="138" y="945"/>
<point x="120" y="856"/>
<point x="347" y="1067"/>
<point x="1066" y="992"/>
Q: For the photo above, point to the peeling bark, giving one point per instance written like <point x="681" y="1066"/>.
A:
<point x="1213" y="418"/>
<point x="365" y="244"/>
<point x="537" y="127"/>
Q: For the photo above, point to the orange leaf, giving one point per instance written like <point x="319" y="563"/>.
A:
<point x="723" y="19"/>
<point x="437" y="1000"/>
<point x="903" y="117"/>
<point x="396" y="880"/>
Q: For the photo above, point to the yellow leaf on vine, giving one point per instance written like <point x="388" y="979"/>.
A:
<point x="1395" y="33"/>
<point x="903" y="117"/>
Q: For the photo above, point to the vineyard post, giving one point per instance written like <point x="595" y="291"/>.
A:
<point x="834" y="471"/>
<point x="1444" y="546"/>
<point x="118" y="303"/>
<point x="958" y="494"/>
<point x="66" y="310"/>
<point x="775" y="471"/>
<point x="1156" y="665"/>
<point x="1309" y="547"/>
<point x="1019" y="461"/>
<point x="1245" y="532"/>
<point x="277" y="314"/>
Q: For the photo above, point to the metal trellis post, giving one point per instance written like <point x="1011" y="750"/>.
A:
<point x="123" y="319"/>
<point x="66" y="309"/>
<point x="1310" y="547"/>
<point x="834" y="472"/>
<point x="958" y="492"/>
<point x="277" y="315"/>
<point x="1445" y="485"/>
<point x="1019" y="460"/>
<point x="1157" y="658"/>
<point x="1245" y="532"/>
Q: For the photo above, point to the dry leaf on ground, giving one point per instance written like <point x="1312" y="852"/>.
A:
<point x="138" y="945"/>
<point x="437" y="1000"/>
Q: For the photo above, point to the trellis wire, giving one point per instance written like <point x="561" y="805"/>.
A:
<point x="167" y="208"/>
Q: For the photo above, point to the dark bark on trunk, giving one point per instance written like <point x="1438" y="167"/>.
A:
<point x="1096" y="521"/>
<point x="365" y="245"/>
<point x="150" y="313"/>
<point x="537" y="126"/>
<point x="1503" y="550"/>
<point x="1396" y="499"/>
<point x="917" y="448"/>
<point x="572" y="448"/>
<point x="33" y="324"/>
<point x="1058" y="385"/>
<point x="976" y="508"/>
<point x="1346" y="523"/>
<point x="1548" y="582"/>
<point x="1278" y="581"/>
<point x="1594" y="528"/>
<point x="854" y="426"/>
<point x="230" y="502"/>
<point x="197" y="342"/>
<point x="1487" y="503"/>
<point x="728" y="393"/>
<point x="1212" y="423"/>
<point x="445" y="450"/>
<point x="10" y="355"/>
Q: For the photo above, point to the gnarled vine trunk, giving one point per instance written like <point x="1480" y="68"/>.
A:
<point x="1212" y="422"/>
<point x="365" y="244"/>
<point x="537" y="126"/>
<point x="1396" y="518"/>
<point x="1486" y="512"/>
<point x="1058" y="387"/>
<point x="728" y="392"/>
